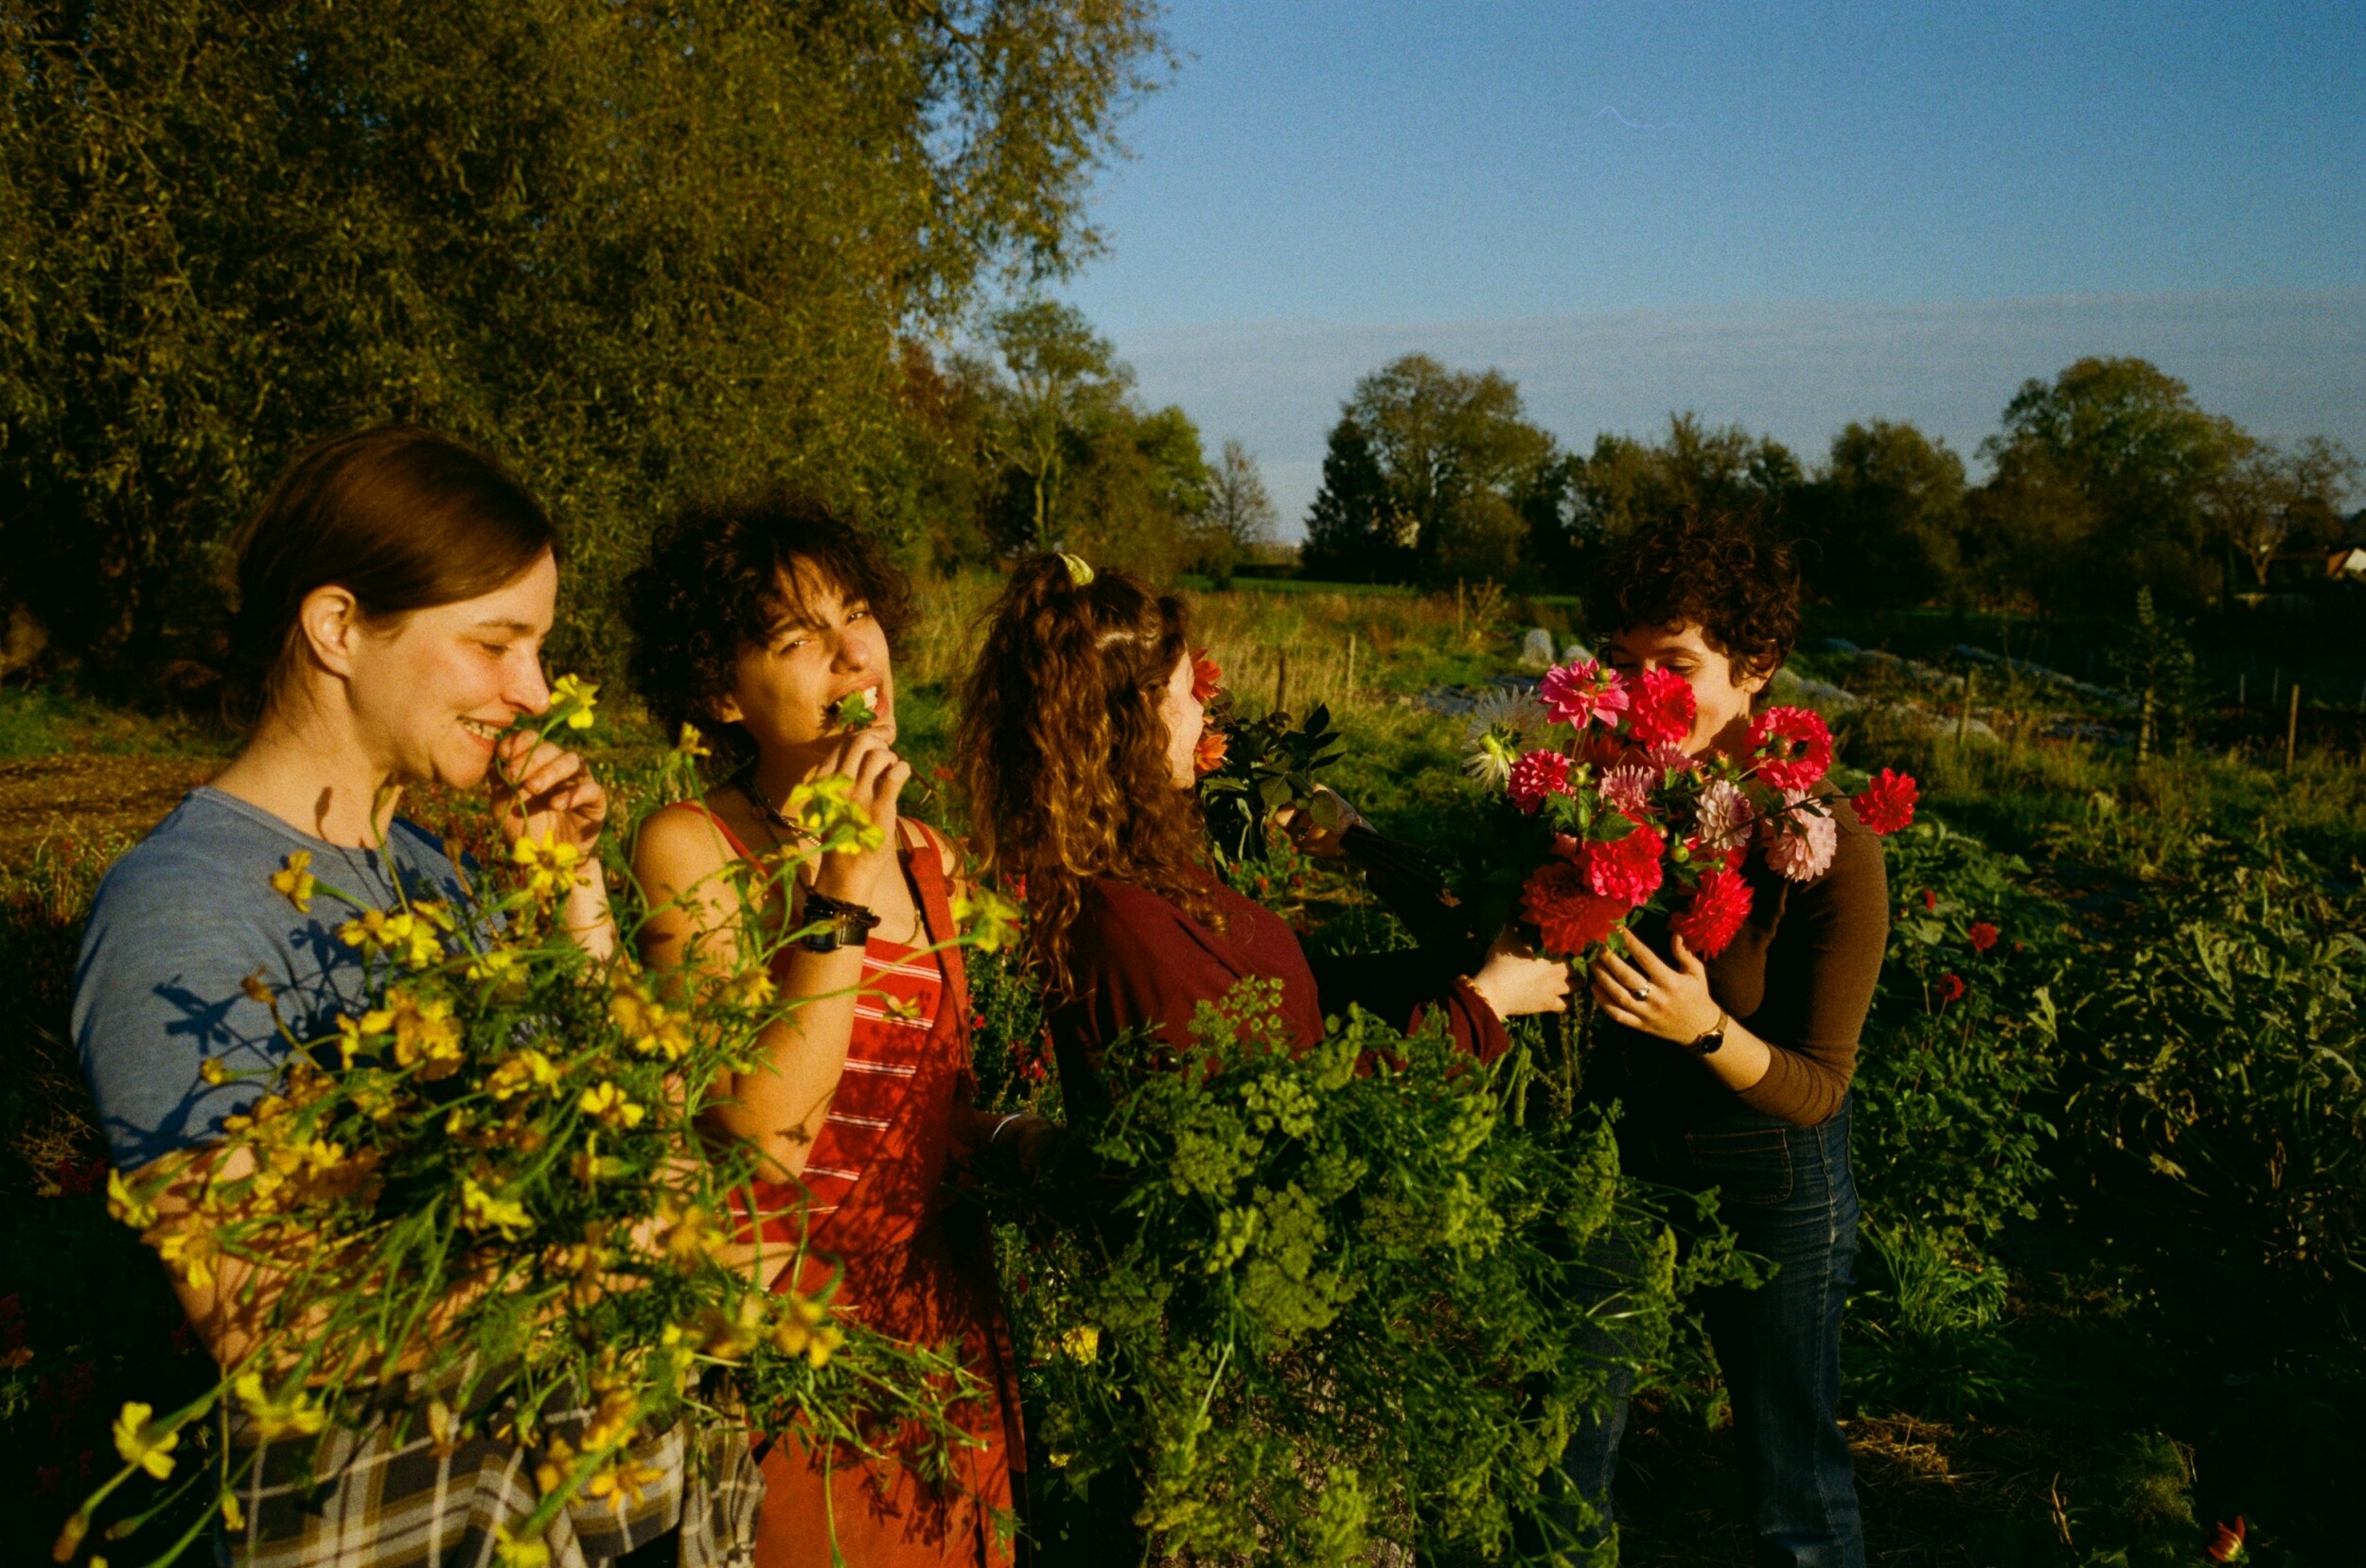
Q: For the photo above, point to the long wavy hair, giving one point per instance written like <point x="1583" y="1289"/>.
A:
<point x="1063" y="756"/>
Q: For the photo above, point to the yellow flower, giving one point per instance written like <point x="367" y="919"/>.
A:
<point x="987" y="919"/>
<point x="804" y="1329"/>
<point x="520" y="1554"/>
<point x="653" y="1027"/>
<point x="232" y="1516"/>
<point x="621" y="1483"/>
<point x="136" y="1212"/>
<point x="571" y="702"/>
<point x="750" y="987"/>
<point x="291" y="1414"/>
<point x="190" y="1248"/>
<point x="480" y="1211"/>
<point x="296" y="882"/>
<point x="141" y="1444"/>
<point x="213" y="1071"/>
<point x="404" y="933"/>
<point x="549" y="865"/>
<point x="1081" y="1344"/>
<point x="691" y="1232"/>
<point x="687" y="744"/>
<point x="427" y="1035"/>
<point x="826" y="810"/>
<point x="610" y="1103"/>
<point x="521" y="1069"/>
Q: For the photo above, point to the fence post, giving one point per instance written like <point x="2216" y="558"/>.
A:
<point x="1351" y="666"/>
<point x="1963" y="714"/>
<point x="2293" y="728"/>
<point x="1281" y="680"/>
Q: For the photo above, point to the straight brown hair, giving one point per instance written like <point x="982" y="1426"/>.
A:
<point x="399" y="517"/>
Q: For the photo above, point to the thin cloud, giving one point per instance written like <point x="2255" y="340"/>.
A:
<point x="1609" y="112"/>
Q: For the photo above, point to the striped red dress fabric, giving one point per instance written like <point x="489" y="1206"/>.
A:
<point x="874" y="1206"/>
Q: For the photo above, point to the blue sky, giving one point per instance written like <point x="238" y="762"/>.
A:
<point x="1784" y="215"/>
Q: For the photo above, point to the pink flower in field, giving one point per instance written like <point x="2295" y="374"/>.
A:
<point x="1719" y="906"/>
<point x="1579" y="695"/>
<point x="1722" y="816"/>
<point x="1536" y="775"/>
<point x="1627" y="869"/>
<point x="1627" y="786"/>
<point x="1798" y="844"/>
<point x="1662" y="708"/>
<point x="1793" y="746"/>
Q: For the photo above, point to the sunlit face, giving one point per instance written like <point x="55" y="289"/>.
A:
<point x="432" y="691"/>
<point x="1186" y="719"/>
<point x="1721" y="698"/>
<point x="823" y="647"/>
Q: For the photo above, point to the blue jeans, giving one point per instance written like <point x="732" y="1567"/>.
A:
<point x="1787" y="1193"/>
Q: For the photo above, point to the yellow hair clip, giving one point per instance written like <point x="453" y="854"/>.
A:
<point x="1080" y="571"/>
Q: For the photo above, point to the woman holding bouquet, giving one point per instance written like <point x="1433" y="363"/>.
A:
<point x="393" y="593"/>
<point x="769" y="625"/>
<point x="1079" y="729"/>
<point x="1734" y="1072"/>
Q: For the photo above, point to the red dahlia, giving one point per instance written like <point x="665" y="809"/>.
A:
<point x="1982" y="936"/>
<point x="1662" y="710"/>
<point x="1720" y="904"/>
<point x="1536" y="775"/>
<point x="1793" y="747"/>
<point x="1569" y="918"/>
<point x="1888" y="803"/>
<point x="1951" y="988"/>
<point x="1625" y="870"/>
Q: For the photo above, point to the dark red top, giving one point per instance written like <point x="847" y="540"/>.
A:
<point x="1140" y="960"/>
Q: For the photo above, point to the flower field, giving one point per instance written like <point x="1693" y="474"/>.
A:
<point x="2111" y="1129"/>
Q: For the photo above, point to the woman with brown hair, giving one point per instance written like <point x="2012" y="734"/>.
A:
<point x="770" y="624"/>
<point x="1734" y="1072"/>
<point x="1079" y="726"/>
<point x="393" y="593"/>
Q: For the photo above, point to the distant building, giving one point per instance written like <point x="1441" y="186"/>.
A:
<point x="2347" y="565"/>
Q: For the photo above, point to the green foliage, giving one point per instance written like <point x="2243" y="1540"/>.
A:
<point x="636" y="250"/>
<point x="2220" y="1078"/>
<point x="1881" y="524"/>
<point x="1290" y="1305"/>
<point x="1269" y="762"/>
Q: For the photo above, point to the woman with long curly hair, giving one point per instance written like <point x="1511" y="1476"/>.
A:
<point x="1734" y="1072"/>
<point x="1079" y="728"/>
<point x="769" y="624"/>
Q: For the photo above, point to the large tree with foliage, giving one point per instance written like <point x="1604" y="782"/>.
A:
<point x="636" y="249"/>
<point x="1427" y="476"/>
<point x="2100" y="479"/>
<point x="1878" y="525"/>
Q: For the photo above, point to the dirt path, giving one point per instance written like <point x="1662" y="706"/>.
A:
<point x="88" y="797"/>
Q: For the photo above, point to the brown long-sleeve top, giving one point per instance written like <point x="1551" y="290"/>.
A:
<point x="1141" y="961"/>
<point x="1799" y="976"/>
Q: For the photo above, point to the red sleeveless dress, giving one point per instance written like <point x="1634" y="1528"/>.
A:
<point x="874" y="1196"/>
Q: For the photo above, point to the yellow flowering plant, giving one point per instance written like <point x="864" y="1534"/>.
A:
<point x="491" y="1190"/>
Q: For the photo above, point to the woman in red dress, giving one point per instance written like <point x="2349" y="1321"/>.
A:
<point x="769" y="626"/>
<point x="1078" y="735"/>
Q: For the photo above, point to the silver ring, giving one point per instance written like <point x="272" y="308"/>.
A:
<point x="1641" y="993"/>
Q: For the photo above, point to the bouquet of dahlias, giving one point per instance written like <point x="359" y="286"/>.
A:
<point x="1613" y="816"/>
<point x="488" y="1192"/>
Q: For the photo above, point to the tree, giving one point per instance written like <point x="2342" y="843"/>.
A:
<point x="1449" y="449"/>
<point x="1625" y="483"/>
<point x="1353" y="531"/>
<point x="1239" y="519"/>
<point x="1063" y="376"/>
<point x="1880" y="524"/>
<point x="2270" y="497"/>
<point x="635" y="249"/>
<point x="2099" y="483"/>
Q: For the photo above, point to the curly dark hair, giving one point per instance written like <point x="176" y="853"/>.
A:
<point x="1722" y="571"/>
<point x="720" y="576"/>
<point x="1063" y="754"/>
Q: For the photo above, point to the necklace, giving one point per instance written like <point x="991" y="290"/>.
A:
<point x="770" y="814"/>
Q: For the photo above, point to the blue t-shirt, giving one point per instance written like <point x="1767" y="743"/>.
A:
<point x="180" y="922"/>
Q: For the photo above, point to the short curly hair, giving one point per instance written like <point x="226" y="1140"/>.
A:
<point x="720" y="576"/>
<point x="1722" y="571"/>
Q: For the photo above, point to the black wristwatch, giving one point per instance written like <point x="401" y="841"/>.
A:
<point x="1707" y="1044"/>
<point x="842" y="924"/>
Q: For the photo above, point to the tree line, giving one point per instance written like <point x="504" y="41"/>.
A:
<point x="2107" y="478"/>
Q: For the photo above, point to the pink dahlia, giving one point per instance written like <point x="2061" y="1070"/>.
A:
<point x="1579" y="695"/>
<point x="1627" y="786"/>
<point x="1569" y="918"/>
<point x="1792" y="746"/>
<point x="1662" y="708"/>
<point x="1536" y="775"/>
<point x="1719" y="906"/>
<point x="1669" y="757"/>
<point x="1722" y="816"/>
<point x="1627" y="869"/>
<point x="1888" y="803"/>
<point x="1798" y="844"/>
